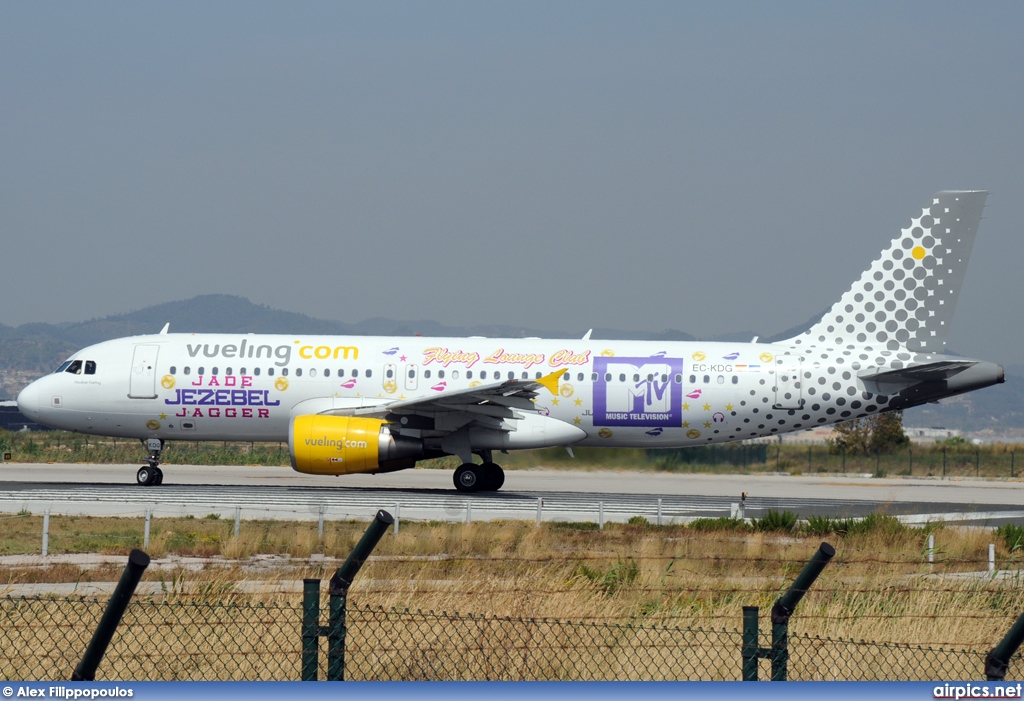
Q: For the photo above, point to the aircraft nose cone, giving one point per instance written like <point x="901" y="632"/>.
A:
<point x="28" y="402"/>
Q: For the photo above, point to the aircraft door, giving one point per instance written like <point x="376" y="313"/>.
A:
<point x="788" y="385"/>
<point x="412" y="373"/>
<point x="142" y="383"/>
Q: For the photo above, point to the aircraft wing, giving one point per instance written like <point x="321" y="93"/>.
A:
<point x="892" y="381"/>
<point x="485" y="405"/>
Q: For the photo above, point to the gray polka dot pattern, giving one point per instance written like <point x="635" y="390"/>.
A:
<point x="906" y="299"/>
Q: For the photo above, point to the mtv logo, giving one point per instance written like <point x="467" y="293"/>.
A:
<point x="638" y="392"/>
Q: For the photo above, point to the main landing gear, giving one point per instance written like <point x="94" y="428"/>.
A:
<point x="151" y="474"/>
<point x="487" y="477"/>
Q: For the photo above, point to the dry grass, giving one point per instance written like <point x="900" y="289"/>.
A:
<point x="879" y="586"/>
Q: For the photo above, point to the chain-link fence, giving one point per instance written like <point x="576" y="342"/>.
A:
<point x="44" y="638"/>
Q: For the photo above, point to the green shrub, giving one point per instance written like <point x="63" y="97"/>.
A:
<point x="1013" y="535"/>
<point x="783" y="521"/>
<point x="723" y="523"/>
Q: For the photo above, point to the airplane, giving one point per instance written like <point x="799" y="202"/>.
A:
<point x="348" y="404"/>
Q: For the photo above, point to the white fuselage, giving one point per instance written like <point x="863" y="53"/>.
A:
<point x="620" y="393"/>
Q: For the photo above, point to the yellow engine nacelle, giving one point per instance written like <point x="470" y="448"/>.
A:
<point x="321" y="444"/>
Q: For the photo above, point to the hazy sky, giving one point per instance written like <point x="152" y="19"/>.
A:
<point x="710" y="167"/>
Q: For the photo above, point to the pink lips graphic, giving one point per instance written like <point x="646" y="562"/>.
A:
<point x="349" y="384"/>
<point x="695" y="394"/>
<point x="440" y="387"/>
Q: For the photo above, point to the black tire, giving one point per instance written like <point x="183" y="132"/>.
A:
<point x="494" y="476"/>
<point x="159" y="477"/>
<point x="468" y="478"/>
<point x="144" y="476"/>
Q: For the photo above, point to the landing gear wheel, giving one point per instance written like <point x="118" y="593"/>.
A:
<point x="469" y="478"/>
<point x="159" y="477"/>
<point x="494" y="476"/>
<point x="145" y="475"/>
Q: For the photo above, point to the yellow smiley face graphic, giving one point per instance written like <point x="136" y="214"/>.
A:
<point x="153" y="425"/>
<point x="607" y="353"/>
<point x="390" y="386"/>
<point x="605" y="433"/>
<point x="167" y="382"/>
<point x="281" y="384"/>
<point x="693" y="434"/>
<point x="698" y="356"/>
<point x="767" y="357"/>
<point x="566" y="390"/>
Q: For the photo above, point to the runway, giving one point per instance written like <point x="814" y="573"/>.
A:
<point x="554" y="495"/>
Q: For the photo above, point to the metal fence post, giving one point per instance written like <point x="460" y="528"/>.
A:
<point x="238" y="519"/>
<point x="998" y="659"/>
<point x="398" y="515"/>
<point x="786" y="604"/>
<point x="310" y="629"/>
<point x="943" y="463"/>
<point x="1013" y="454"/>
<point x="340" y="583"/>
<point x="931" y="548"/>
<point x="138" y="561"/>
<point x="540" y="510"/>
<point x="320" y="524"/>
<point x="145" y="531"/>
<point x="46" y="532"/>
<point x="659" y="511"/>
<point x="750" y="641"/>
<point x="910" y="451"/>
<point x="600" y="515"/>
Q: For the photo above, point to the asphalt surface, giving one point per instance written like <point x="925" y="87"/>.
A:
<point x="280" y="493"/>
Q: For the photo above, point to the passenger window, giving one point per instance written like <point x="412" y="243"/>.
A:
<point x="228" y="371"/>
<point x="469" y="374"/>
<point x="679" y="379"/>
<point x="355" y="373"/>
<point x="90" y="367"/>
<point x="735" y="380"/>
<point x="426" y="374"/>
<point x="369" y="373"/>
<point x="693" y="379"/>
<point x="202" y="370"/>
<point x="389" y="373"/>
<point x="241" y="371"/>
<point x="664" y="378"/>
<point x="579" y="377"/>
<point x="593" y="377"/>
<point x="622" y="377"/>
<point x="298" y="372"/>
<point x="721" y="379"/>
<point x="75" y="368"/>
<point x="567" y="376"/>
<point x="650" y="378"/>
<point x="538" y="376"/>
<point x="607" y="377"/>
<point x="455" y="374"/>
<point x="327" y="372"/>
<point x="187" y="370"/>
<point x="636" y="378"/>
<point x="526" y="376"/>
<point x="707" y="379"/>
<point x="173" y="370"/>
<point x="270" y="372"/>
<point x="284" y="372"/>
<point x="214" y="371"/>
<point x="412" y="374"/>
<point x="256" y="371"/>
<point x="440" y="373"/>
<point x="511" y="375"/>
<point x="312" y="372"/>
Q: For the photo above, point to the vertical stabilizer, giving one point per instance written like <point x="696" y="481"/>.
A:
<point x="908" y="295"/>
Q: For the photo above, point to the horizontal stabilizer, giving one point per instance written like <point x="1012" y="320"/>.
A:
<point x="892" y="381"/>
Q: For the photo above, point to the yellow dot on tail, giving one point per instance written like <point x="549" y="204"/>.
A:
<point x="918" y="253"/>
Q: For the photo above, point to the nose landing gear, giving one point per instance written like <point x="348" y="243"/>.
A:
<point x="151" y="474"/>
<point x="487" y="477"/>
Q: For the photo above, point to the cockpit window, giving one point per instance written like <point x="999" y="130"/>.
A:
<point x="90" y="367"/>
<point x="75" y="368"/>
<point x="63" y="367"/>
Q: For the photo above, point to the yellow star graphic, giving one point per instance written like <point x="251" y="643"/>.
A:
<point x="554" y="400"/>
<point x="686" y="424"/>
<point x="579" y="402"/>
<point x="576" y="420"/>
<point x="728" y="407"/>
<point x="686" y="407"/>
<point x="707" y="424"/>
<point x="401" y="396"/>
<point x="163" y="416"/>
<point x="707" y="407"/>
